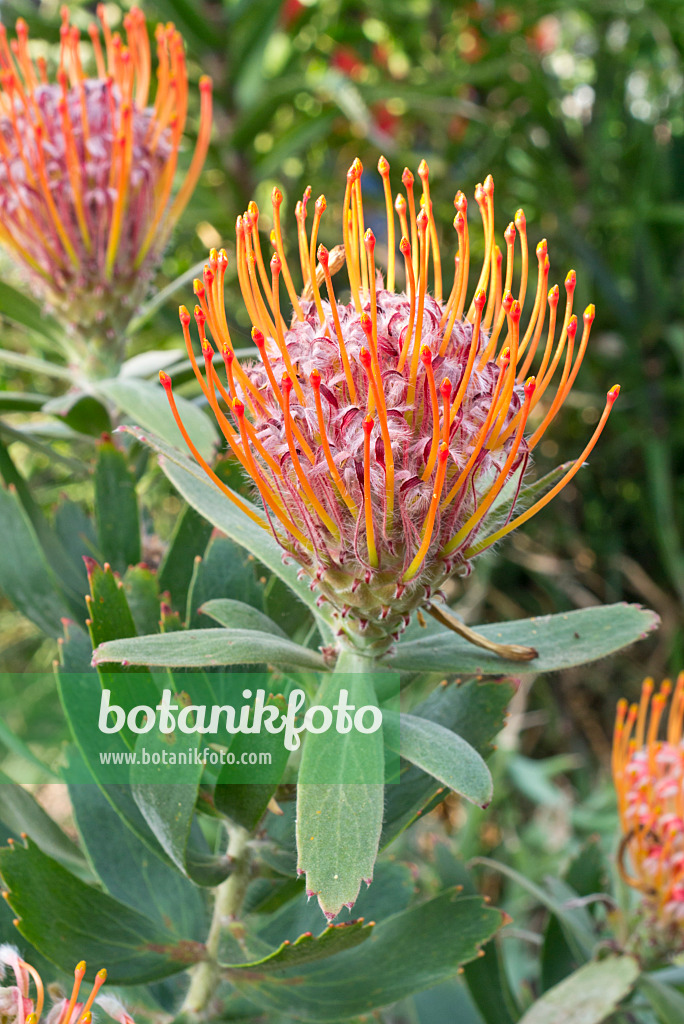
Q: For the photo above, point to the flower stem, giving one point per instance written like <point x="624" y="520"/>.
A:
<point x="229" y="896"/>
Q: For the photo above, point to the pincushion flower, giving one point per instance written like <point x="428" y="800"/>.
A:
<point x="87" y="167"/>
<point x="649" y="779"/>
<point x="19" y="1006"/>
<point x="387" y="435"/>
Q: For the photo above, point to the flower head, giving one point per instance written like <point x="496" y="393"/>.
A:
<point x="87" y="166"/>
<point x="19" y="1006"/>
<point x="386" y="435"/>
<point x="649" y="780"/>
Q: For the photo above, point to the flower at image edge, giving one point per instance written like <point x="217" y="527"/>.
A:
<point x="387" y="435"/>
<point x="648" y="772"/>
<point x="87" y="166"/>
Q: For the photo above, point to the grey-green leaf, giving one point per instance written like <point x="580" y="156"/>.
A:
<point x="339" y="820"/>
<point x="238" y="615"/>
<point x="443" y="754"/>
<point x="146" y="404"/>
<point x="588" y="996"/>
<point x="199" y="648"/>
<point x="562" y="641"/>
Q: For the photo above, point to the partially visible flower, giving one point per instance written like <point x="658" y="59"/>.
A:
<point x="386" y="435"/>
<point x="649" y="780"/>
<point x="87" y="167"/>
<point x="18" y="1006"/>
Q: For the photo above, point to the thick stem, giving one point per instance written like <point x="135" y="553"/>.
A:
<point x="229" y="896"/>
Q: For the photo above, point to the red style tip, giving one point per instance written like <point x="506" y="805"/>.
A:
<point x="423" y="170"/>
<point x="223" y="258"/>
<point x="613" y="393"/>
<point x="238" y="408"/>
<point x="102" y="973"/>
<point x="480" y="299"/>
<point x="509" y="234"/>
<point x="80" y="969"/>
<point x="400" y="204"/>
<point x="407" y="178"/>
<point x="426" y="356"/>
<point x="323" y="256"/>
<point x="365" y="357"/>
<point x="320" y="204"/>
<point x="445" y="388"/>
<point x="520" y="222"/>
<point x="253" y="211"/>
<point x="460" y="202"/>
<point x="184" y="316"/>
<point x="198" y="288"/>
<point x="505" y="356"/>
<point x="258" y="337"/>
<point x="405" y="247"/>
<point x="368" y="424"/>
<point x="489" y="185"/>
<point x="367" y="325"/>
<point x="553" y="295"/>
<point x="286" y="382"/>
<point x="276" y="264"/>
<point x="443" y="452"/>
<point x="165" y="380"/>
<point x="507" y="301"/>
<point x="207" y="351"/>
<point x="383" y="167"/>
<point x="572" y="326"/>
<point x="542" y="250"/>
<point x="422" y="221"/>
<point x="570" y="281"/>
<point x="200" y="318"/>
<point x="276" y="197"/>
<point x="369" y="241"/>
<point x="530" y="385"/>
<point x="315" y="379"/>
<point x="589" y="313"/>
<point x="205" y="84"/>
<point x="515" y="312"/>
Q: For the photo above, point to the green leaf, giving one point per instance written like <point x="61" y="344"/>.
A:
<point x="226" y="570"/>
<point x="116" y="509"/>
<point x="130" y="871"/>
<point x="25" y="576"/>
<point x="142" y="593"/>
<point x="447" y="1002"/>
<point x="489" y="986"/>
<point x="151" y="361"/>
<point x="307" y="949"/>
<point x="189" y="479"/>
<point x="391" y="965"/>
<point x="237" y="794"/>
<point x="169" y="809"/>
<point x="21" y="401"/>
<point x="146" y="404"/>
<point x="33" y="365"/>
<point x="82" y="412"/>
<point x="18" y="307"/>
<point x="339" y="822"/>
<point x="443" y="754"/>
<point x="667" y="1003"/>
<point x="562" y="641"/>
<point x="189" y="539"/>
<point x="202" y="648"/>
<point x="474" y="711"/>
<point x="20" y="812"/>
<point x="588" y="996"/>
<point x="110" y="619"/>
<point x="237" y="615"/>
<point x="68" y="921"/>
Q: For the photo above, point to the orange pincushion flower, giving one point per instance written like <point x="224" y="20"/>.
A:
<point x="381" y="432"/>
<point x="87" y="167"/>
<point x="649" y="779"/>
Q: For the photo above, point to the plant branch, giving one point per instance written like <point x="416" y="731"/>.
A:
<point x="229" y="896"/>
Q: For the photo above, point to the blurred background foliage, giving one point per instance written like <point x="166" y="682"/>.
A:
<point x="577" y="109"/>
